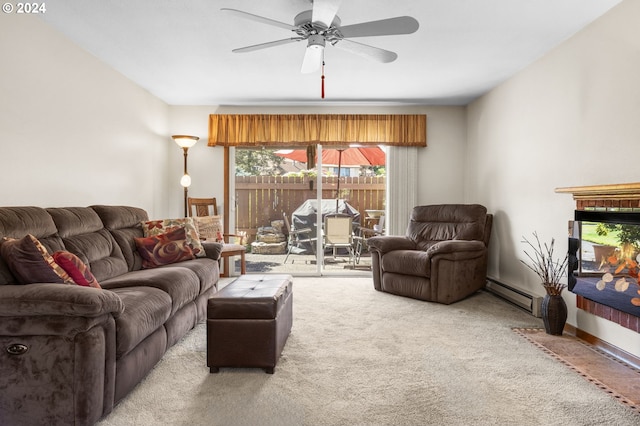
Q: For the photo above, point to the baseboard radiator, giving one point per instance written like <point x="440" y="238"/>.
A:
<point x="519" y="298"/>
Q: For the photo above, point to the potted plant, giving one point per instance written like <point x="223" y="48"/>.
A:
<point x="550" y="270"/>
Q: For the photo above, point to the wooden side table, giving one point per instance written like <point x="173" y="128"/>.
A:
<point x="231" y="250"/>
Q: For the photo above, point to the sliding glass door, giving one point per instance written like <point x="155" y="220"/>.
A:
<point x="282" y="202"/>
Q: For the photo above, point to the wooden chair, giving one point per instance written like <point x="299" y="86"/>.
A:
<point x="209" y="207"/>
<point x="202" y="206"/>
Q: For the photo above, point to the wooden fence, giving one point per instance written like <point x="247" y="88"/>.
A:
<point x="262" y="199"/>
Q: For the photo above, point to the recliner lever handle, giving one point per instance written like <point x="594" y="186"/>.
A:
<point x="17" y="349"/>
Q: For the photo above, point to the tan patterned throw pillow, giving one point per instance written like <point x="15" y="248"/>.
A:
<point x="209" y="227"/>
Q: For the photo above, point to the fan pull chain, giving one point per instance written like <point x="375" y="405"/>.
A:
<point x="322" y="78"/>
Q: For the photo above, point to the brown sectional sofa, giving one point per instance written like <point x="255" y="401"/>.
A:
<point x="69" y="353"/>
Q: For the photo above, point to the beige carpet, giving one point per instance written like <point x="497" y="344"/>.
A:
<point x="361" y="357"/>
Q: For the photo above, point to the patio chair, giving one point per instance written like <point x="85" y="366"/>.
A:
<point x="298" y="236"/>
<point x="338" y="234"/>
<point x="364" y="234"/>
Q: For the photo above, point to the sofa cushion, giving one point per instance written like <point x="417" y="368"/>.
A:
<point x="145" y="310"/>
<point x="408" y="262"/>
<point x="16" y="222"/>
<point x="430" y="224"/>
<point x="84" y="235"/>
<point x="207" y="270"/>
<point x="164" y="249"/>
<point x="156" y="227"/>
<point x="124" y="223"/>
<point x="30" y="262"/>
<point x="76" y="269"/>
<point x="181" y="284"/>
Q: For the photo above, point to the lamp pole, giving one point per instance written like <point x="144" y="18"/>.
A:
<point x="185" y="142"/>
<point x="186" y="187"/>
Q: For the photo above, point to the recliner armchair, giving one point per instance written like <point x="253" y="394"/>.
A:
<point x="442" y="258"/>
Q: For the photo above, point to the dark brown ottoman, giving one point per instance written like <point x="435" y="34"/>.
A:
<point x="248" y="322"/>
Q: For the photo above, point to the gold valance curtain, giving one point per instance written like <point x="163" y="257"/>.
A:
<point x="279" y="130"/>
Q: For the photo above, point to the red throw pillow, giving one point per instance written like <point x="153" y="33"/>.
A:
<point x="163" y="249"/>
<point x="76" y="269"/>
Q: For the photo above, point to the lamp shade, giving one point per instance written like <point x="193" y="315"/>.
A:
<point x="185" y="141"/>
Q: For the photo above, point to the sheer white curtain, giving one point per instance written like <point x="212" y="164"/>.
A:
<point x="402" y="187"/>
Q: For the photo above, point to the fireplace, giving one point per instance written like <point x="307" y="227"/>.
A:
<point x="601" y="240"/>
<point x="605" y="258"/>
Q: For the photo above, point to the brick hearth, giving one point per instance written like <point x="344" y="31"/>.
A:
<point x="624" y="319"/>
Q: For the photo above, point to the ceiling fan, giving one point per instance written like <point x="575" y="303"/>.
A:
<point x="321" y="25"/>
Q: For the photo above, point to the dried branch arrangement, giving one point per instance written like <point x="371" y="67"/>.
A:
<point x="549" y="270"/>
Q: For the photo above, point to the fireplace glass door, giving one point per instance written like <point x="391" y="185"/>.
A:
<point x="604" y="250"/>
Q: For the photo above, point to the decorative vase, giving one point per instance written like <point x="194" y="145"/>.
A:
<point x="554" y="314"/>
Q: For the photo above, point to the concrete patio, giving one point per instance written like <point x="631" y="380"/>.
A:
<point x="301" y="264"/>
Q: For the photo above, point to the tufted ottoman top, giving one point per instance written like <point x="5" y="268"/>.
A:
<point x="251" y="297"/>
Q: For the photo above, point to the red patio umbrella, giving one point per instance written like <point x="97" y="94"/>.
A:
<point x="352" y="156"/>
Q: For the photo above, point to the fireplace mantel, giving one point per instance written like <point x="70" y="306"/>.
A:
<point x="618" y="191"/>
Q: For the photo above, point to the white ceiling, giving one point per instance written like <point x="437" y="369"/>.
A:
<point x="180" y="50"/>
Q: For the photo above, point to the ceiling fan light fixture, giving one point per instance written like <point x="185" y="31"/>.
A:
<point x="316" y="42"/>
<point x="313" y="54"/>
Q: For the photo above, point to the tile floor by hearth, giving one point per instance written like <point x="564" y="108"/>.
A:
<point x="604" y="370"/>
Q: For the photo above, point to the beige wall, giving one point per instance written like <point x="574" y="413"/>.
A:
<point x="569" y="119"/>
<point x="72" y="130"/>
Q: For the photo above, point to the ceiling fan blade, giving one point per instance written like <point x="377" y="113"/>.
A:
<point x="367" y="51"/>
<point x="312" y="59"/>
<point x="391" y="26"/>
<point x="324" y="11"/>
<point x="261" y="19"/>
<point x="265" y="45"/>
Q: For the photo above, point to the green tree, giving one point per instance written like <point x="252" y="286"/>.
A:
<point x="257" y="162"/>
<point x="627" y="234"/>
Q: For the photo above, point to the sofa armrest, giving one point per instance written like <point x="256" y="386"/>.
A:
<point x="458" y="247"/>
<point x="387" y="243"/>
<point x="212" y="250"/>
<point x="57" y="299"/>
<point x="57" y="364"/>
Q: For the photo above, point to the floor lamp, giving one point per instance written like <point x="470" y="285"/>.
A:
<point x="185" y="142"/>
